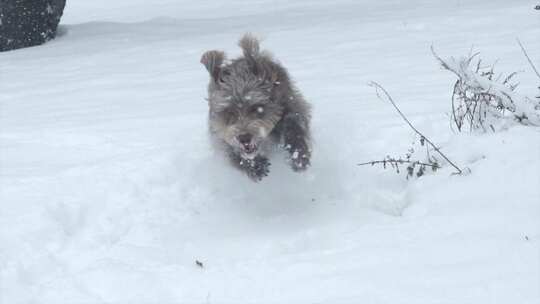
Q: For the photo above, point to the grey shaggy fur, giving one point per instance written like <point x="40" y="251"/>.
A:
<point x="254" y="108"/>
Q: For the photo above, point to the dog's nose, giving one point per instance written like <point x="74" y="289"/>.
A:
<point x="244" y="139"/>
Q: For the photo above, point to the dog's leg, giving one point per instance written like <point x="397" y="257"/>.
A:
<point x="296" y="140"/>
<point x="255" y="168"/>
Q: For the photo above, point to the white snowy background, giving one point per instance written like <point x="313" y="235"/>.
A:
<point x="109" y="191"/>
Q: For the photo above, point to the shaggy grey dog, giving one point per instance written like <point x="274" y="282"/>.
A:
<point x="254" y="108"/>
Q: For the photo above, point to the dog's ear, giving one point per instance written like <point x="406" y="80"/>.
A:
<point x="250" y="47"/>
<point x="213" y="60"/>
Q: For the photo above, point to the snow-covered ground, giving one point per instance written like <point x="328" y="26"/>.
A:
<point x="109" y="192"/>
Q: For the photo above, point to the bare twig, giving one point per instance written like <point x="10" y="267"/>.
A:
<point x="528" y="58"/>
<point x="399" y="161"/>
<point x="378" y="89"/>
<point x="414" y="167"/>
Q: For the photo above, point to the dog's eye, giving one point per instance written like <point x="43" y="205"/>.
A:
<point x="223" y="75"/>
<point x="229" y="116"/>
<point x="258" y="110"/>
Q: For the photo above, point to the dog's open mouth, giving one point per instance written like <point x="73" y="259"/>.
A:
<point x="249" y="150"/>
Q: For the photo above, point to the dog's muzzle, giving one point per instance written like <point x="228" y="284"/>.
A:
<point x="247" y="145"/>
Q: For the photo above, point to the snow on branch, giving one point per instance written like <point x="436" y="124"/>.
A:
<point x="482" y="99"/>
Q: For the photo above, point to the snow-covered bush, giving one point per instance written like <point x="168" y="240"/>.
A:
<point x="483" y="100"/>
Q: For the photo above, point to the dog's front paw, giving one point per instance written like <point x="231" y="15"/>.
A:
<point x="257" y="168"/>
<point x="300" y="161"/>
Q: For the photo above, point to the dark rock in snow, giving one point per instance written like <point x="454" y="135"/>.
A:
<point x="25" y="23"/>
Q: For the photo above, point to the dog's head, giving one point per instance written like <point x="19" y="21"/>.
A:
<point x="243" y="111"/>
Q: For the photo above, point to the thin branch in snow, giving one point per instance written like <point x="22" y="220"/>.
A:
<point x="399" y="161"/>
<point x="528" y="58"/>
<point x="417" y="168"/>
<point x="386" y="97"/>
